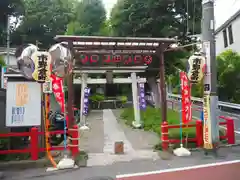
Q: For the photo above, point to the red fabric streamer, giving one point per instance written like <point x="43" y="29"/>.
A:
<point x="186" y="99"/>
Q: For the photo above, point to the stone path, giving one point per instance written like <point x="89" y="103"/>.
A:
<point x="92" y="140"/>
<point x="113" y="133"/>
<point x="140" y="139"/>
<point x="105" y="130"/>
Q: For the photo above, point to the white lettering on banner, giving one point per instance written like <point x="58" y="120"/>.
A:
<point x="207" y="123"/>
<point x="58" y="95"/>
<point x="186" y="103"/>
<point x="55" y="86"/>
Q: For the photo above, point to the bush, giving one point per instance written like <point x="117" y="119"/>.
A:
<point x="2" y="62"/>
<point x="151" y="119"/>
<point x="97" y="97"/>
<point x="123" y="99"/>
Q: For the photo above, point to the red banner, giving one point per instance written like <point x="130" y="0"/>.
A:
<point x="186" y="98"/>
<point x="57" y="88"/>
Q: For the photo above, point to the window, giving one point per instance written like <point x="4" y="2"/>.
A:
<point x="230" y="34"/>
<point x="225" y="38"/>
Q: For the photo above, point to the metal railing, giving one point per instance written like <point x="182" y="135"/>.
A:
<point x="199" y="100"/>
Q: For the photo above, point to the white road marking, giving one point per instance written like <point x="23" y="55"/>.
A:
<point x="177" y="169"/>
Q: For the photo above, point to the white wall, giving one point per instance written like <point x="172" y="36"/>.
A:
<point x="12" y="60"/>
<point x="236" y="38"/>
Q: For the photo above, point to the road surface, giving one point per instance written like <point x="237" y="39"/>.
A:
<point x="217" y="171"/>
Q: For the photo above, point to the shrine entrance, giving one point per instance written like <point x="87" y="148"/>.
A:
<point x="110" y="55"/>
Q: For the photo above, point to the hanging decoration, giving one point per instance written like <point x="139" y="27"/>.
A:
<point x="86" y="101"/>
<point x="61" y="55"/>
<point x="195" y="70"/>
<point x="142" y="100"/>
<point x="42" y="63"/>
<point x="25" y="62"/>
<point x="57" y="89"/>
<point x="186" y="99"/>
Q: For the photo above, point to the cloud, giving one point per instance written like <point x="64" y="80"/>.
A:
<point x="224" y="9"/>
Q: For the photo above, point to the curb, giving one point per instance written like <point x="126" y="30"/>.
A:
<point x="25" y="164"/>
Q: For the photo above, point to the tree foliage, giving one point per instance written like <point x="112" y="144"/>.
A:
<point x="10" y="8"/>
<point x="158" y="18"/>
<point x="2" y="62"/>
<point x="89" y="19"/>
<point x="43" y="20"/>
<point x="229" y="76"/>
<point x="13" y="8"/>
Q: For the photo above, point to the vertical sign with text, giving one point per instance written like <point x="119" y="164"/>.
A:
<point x="22" y="98"/>
<point x="207" y="139"/>
<point x="186" y="98"/>
<point x="23" y="106"/>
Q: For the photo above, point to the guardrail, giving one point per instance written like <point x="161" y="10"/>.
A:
<point x="199" y="100"/>
<point x="34" y="149"/>
<point x="229" y="135"/>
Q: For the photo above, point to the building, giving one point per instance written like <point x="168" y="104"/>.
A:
<point x="227" y="35"/>
<point x="12" y="58"/>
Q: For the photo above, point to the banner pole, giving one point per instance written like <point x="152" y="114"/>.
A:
<point x="47" y="124"/>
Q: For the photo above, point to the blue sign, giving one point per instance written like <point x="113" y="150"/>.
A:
<point x="202" y="116"/>
<point x="142" y="101"/>
<point x="18" y="115"/>
<point x="86" y="101"/>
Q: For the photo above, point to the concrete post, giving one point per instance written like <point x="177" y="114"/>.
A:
<point x="210" y="80"/>
<point x="136" y="123"/>
<point x="83" y="86"/>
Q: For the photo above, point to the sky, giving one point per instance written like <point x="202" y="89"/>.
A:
<point x="109" y="5"/>
<point x="224" y="9"/>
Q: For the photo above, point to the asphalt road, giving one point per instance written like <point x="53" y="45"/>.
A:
<point x="215" y="171"/>
<point x="119" y="169"/>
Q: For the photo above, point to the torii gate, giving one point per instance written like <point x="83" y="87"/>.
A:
<point x="95" y="46"/>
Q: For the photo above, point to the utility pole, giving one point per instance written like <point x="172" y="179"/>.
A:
<point x="210" y="104"/>
<point x="8" y="40"/>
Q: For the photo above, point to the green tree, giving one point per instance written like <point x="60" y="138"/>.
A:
<point x="43" y="20"/>
<point x="156" y="18"/>
<point x="12" y="8"/>
<point x="229" y="76"/>
<point x="159" y="18"/>
<point x="90" y="17"/>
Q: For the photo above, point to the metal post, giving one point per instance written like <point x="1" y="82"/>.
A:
<point x="8" y="40"/>
<point x="210" y="79"/>
<point x="162" y="86"/>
